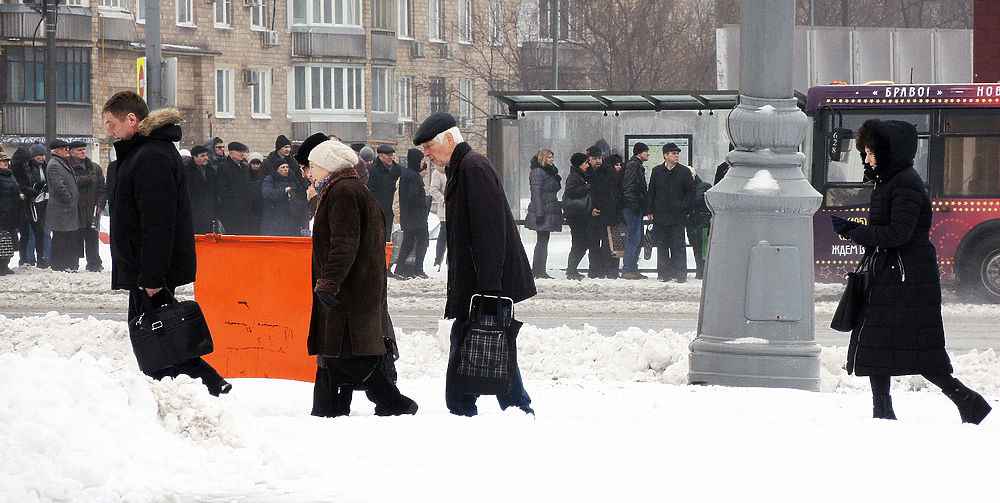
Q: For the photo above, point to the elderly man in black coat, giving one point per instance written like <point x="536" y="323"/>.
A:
<point x="671" y="187"/>
<point x="901" y="332"/>
<point x="152" y="238"/>
<point x="485" y="254"/>
<point x="237" y="195"/>
<point x="63" y="212"/>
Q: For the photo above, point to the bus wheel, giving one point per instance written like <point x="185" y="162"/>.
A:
<point x="986" y="260"/>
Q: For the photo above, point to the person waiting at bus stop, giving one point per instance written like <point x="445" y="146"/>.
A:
<point x="671" y="187"/>
<point x="901" y="331"/>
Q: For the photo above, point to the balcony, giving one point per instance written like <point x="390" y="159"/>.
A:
<point x="18" y="22"/>
<point x="313" y="42"/>
<point x="384" y="45"/>
<point x="28" y="119"/>
<point x="116" y="26"/>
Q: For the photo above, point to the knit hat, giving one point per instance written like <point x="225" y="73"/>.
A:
<point x="432" y="126"/>
<point x="367" y="154"/>
<point x="332" y="156"/>
<point x="639" y="148"/>
<point x="281" y="141"/>
<point x="38" y="149"/>
<point x="239" y="147"/>
<point x="577" y="159"/>
<point x="254" y="156"/>
<point x="385" y="148"/>
<point x="302" y="156"/>
<point x="198" y="150"/>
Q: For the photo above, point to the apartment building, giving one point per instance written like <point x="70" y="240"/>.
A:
<point x="249" y="70"/>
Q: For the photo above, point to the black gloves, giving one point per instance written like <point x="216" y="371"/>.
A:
<point x="843" y="226"/>
<point x="326" y="298"/>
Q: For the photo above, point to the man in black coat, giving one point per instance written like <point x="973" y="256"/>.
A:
<point x="413" y="208"/>
<point x="29" y="170"/>
<point x="633" y="202"/>
<point x="382" y="180"/>
<point x="605" y="195"/>
<point x="90" y="181"/>
<point x="152" y="239"/>
<point x="235" y="187"/>
<point x="485" y="254"/>
<point x="200" y="183"/>
<point x="671" y="187"/>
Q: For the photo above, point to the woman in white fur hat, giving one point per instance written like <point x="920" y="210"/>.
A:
<point x="350" y="331"/>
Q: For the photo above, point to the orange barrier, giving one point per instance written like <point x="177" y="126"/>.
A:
<point x="256" y="293"/>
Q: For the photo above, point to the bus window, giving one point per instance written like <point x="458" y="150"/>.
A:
<point x="972" y="166"/>
<point x="851" y="196"/>
<point x="852" y="170"/>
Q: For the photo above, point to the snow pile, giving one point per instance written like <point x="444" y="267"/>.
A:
<point x="186" y="409"/>
<point x="762" y="182"/>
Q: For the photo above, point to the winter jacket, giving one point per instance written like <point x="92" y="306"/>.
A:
<point x="382" y="182"/>
<point x="275" y="159"/>
<point x="698" y="213"/>
<point x="670" y="193"/>
<point x="348" y="262"/>
<point x="284" y="199"/>
<point x="485" y="253"/>
<point x="63" y="212"/>
<point x="237" y="194"/>
<point x="414" y="203"/>
<point x="578" y="187"/>
<point x="11" y="212"/>
<point x="605" y="186"/>
<point x="200" y="183"/>
<point x="152" y="237"/>
<point x="720" y="171"/>
<point x="634" y="187"/>
<point x="90" y="181"/>
<point x="901" y="332"/>
<point x="30" y="177"/>
<point x="544" y="209"/>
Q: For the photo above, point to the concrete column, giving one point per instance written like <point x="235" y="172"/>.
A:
<point x="756" y="326"/>
<point x="154" y="57"/>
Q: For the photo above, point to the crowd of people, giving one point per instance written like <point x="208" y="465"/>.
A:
<point x="613" y="212"/>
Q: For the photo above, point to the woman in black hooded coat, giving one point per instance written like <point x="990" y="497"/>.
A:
<point x="901" y="332"/>
<point x="414" y="205"/>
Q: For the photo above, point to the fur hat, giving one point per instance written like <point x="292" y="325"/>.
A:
<point x="302" y="155"/>
<point x="332" y="156"/>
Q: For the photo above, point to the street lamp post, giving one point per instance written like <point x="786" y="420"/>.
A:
<point x="756" y="326"/>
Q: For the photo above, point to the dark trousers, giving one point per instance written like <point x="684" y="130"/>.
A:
<point x="582" y="242"/>
<point x="91" y="248"/>
<point x="880" y="384"/>
<point x="195" y="368"/>
<point x="464" y="404"/>
<point x="66" y="250"/>
<point x="337" y="378"/>
<point x="606" y="265"/>
<point x="671" y="255"/>
<point x="413" y="251"/>
<point x="696" y="236"/>
<point x="34" y="238"/>
<point x="442" y="243"/>
<point x="633" y="230"/>
<point x="541" y="256"/>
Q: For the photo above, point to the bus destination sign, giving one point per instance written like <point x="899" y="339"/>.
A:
<point x="905" y="96"/>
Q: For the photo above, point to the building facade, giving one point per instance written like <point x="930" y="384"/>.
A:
<point x="249" y="70"/>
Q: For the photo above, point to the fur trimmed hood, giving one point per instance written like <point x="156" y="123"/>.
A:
<point x="160" y="119"/>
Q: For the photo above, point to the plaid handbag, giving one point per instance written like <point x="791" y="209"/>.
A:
<point x="7" y="244"/>
<point x="617" y="236"/>
<point x="486" y="354"/>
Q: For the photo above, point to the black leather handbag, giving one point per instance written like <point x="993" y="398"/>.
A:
<point x="580" y="207"/>
<point x="851" y="309"/>
<point x="169" y="334"/>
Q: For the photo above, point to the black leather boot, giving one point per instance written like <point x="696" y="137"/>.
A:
<point x="882" y="406"/>
<point x="971" y="405"/>
<point x="386" y="396"/>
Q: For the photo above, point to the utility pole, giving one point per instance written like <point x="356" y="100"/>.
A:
<point x="154" y="57"/>
<point x="49" y="8"/>
<point x="554" y="32"/>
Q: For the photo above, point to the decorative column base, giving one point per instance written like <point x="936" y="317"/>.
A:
<point x="726" y="362"/>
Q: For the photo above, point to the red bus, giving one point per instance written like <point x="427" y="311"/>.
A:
<point x="958" y="158"/>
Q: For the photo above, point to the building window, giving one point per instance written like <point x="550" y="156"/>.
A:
<point x="382" y="79"/>
<point x="383" y="15"/>
<point x="224" y="93"/>
<point x="327" y="88"/>
<point x="407" y="103"/>
<point x="185" y="12"/>
<point x="435" y="20"/>
<point x="24" y="74"/>
<point x="140" y="11"/>
<point x="970" y="166"/>
<point x="496" y="22"/>
<point x="465" y="21"/>
<point x="438" y="95"/>
<point x="405" y="21"/>
<point x="114" y="4"/>
<point x="260" y="95"/>
<point x="75" y="3"/>
<point x="465" y="101"/>
<point x="327" y="12"/>
<point x="223" y="13"/>
<point x="258" y="16"/>
<point x="545" y="8"/>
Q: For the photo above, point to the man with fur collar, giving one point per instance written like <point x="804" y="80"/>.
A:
<point x="152" y="237"/>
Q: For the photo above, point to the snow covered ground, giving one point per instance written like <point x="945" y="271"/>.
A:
<point x="615" y="422"/>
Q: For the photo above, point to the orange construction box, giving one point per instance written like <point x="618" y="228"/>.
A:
<point x="256" y="294"/>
